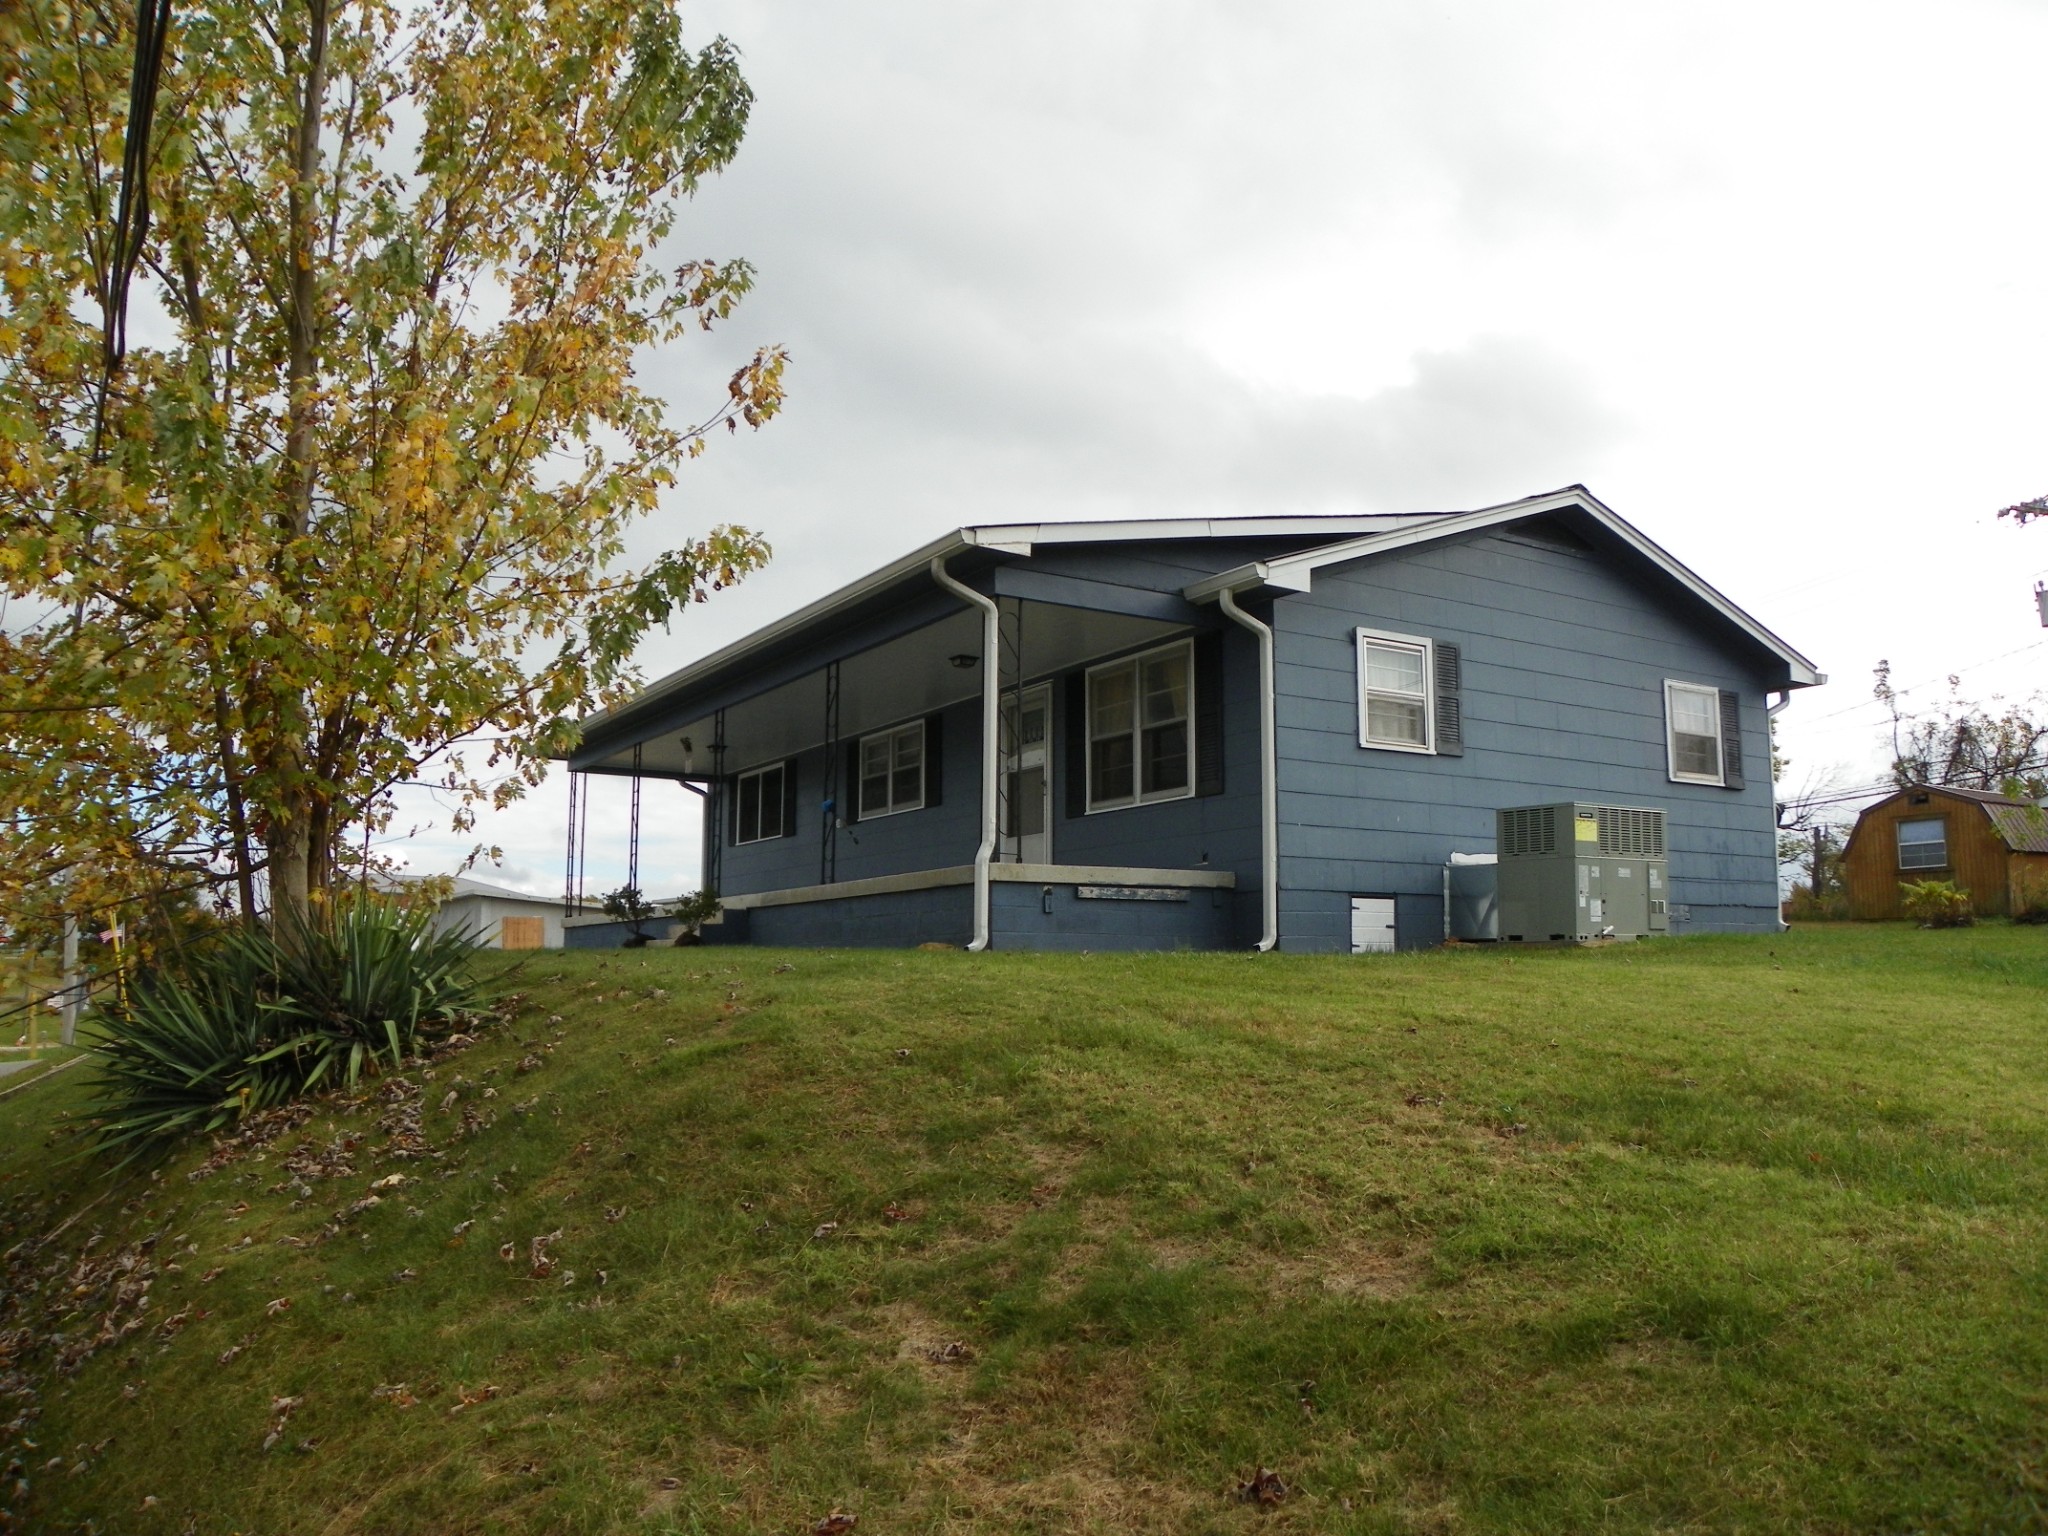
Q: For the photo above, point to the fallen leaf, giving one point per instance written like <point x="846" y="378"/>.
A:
<point x="838" y="1523"/>
<point x="282" y="1305"/>
<point x="1263" y="1488"/>
<point x="824" y="1229"/>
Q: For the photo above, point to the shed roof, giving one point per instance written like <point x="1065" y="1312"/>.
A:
<point x="2020" y="824"/>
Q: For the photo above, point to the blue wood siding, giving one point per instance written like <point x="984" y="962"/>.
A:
<point x="1018" y="919"/>
<point x="1201" y="832"/>
<point x="1564" y="662"/>
<point x="931" y="838"/>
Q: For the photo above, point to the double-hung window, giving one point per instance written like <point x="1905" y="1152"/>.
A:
<point x="1396" y="692"/>
<point x="892" y="771"/>
<point x="758" y="816"/>
<point x="1923" y="844"/>
<point x="1140" y="718"/>
<point x="1692" y="719"/>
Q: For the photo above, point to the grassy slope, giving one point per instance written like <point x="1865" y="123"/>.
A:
<point x="1702" y="1235"/>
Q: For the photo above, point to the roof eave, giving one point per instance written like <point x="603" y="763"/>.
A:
<point x="1293" y="572"/>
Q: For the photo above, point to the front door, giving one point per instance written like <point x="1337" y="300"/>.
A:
<point x="1027" y="787"/>
<point x="1372" y="924"/>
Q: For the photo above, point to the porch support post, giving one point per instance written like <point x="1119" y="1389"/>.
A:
<point x="1269" y="786"/>
<point x="991" y="733"/>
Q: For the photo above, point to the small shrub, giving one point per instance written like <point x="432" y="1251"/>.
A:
<point x="627" y="905"/>
<point x="695" y="909"/>
<point x="1937" y="903"/>
<point x="261" y="1015"/>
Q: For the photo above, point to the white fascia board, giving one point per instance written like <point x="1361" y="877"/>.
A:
<point x="916" y="561"/>
<point x="997" y="538"/>
<point x="1293" y="572"/>
<point x="1255" y="573"/>
<point x="1125" y="530"/>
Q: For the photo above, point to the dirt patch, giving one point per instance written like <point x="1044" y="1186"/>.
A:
<point x="1084" y="1429"/>
<point x="1385" y="1271"/>
<point x="912" y="1335"/>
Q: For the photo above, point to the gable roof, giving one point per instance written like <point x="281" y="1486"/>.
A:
<point x="1319" y="540"/>
<point x="1575" y="504"/>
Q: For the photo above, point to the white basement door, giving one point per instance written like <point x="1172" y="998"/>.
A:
<point x="1372" y="924"/>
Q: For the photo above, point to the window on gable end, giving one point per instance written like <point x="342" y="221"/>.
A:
<point x="1923" y="843"/>
<point x="1693" y="735"/>
<point x="1397" y="701"/>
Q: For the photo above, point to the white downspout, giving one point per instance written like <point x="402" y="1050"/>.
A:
<point x="991" y="730"/>
<point x="1770" y="761"/>
<point x="1269" y="764"/>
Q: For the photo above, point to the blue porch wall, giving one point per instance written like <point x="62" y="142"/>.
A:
<point x="1564" y="661"/>
<point x="931" y="838"/>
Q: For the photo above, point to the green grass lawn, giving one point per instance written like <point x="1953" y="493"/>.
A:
<point x="1698" y="1235"/>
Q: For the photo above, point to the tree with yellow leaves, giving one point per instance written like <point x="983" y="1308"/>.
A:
<point x="358" y="492"/>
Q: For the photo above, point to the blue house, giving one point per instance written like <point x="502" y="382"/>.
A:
<point x="1211" y="733"/>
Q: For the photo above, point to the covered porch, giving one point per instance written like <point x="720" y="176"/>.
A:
<point x="900" y="763"/>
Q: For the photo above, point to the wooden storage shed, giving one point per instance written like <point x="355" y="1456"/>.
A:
<point x="1993" y="846"/>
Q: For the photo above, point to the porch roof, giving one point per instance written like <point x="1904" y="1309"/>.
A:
<point x="894" y="631"/>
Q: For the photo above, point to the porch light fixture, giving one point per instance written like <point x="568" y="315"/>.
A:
<point x="964" y="660"/>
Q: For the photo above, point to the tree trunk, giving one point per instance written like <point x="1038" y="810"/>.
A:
<point x="291" y="892"/>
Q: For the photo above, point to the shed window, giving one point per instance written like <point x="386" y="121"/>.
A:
<point x="760" y="805"/>
<point x="892" y="771"/>
<point x="1923" y="844"/>
<point x="1138" y="720"/>
<point x="1692" y="718"/>
<point x="1396" y="692"/>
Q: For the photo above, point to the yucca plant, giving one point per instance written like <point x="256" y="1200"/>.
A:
<point x="361" y="982"/>
<point x="261" y="1015"/>
<point x="181" y="1053"/>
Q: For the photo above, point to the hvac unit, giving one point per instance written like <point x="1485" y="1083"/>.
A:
<point x="1570" y="873"/>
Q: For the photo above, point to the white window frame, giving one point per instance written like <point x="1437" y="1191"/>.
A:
<point x="895" y="735"/>
<point x="1424" y="647"/>
<point x="780" y="769"/>
<point x="1134" y="665"/>
<point x="1899" y="842"/>
<point x="1673" y="686"/>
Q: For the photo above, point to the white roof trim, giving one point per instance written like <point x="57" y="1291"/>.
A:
<point x="1293" y="573"/>
<point x="1000" y="538"/>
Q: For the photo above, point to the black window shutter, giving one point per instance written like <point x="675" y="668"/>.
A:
<point x="731" y="789"/>
<point x="849" y="785"/>
<point x="789" y="798"/>
<point x="1731" y="739"/>
<point x="1077" y="746"/>
<point x="934" y="759"/>
<point x="1209" y="713"/>
<point x="1450" y="710"/>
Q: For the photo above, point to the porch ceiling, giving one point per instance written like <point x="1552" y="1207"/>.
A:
<point x="899" y="679"/>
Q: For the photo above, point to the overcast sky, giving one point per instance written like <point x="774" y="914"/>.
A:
<point x="1767" y="278"/>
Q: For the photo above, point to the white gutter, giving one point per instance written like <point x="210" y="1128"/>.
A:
<point x="991" y="728"/>
<point x="1269" y="763"/>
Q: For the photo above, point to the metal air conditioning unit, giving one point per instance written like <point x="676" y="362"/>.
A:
<point x="1571" y="873"/>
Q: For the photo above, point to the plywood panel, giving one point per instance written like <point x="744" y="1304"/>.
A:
<point x="522" y="932"/>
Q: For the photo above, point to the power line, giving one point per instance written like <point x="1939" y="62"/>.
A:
<point x="1953" y="672"/>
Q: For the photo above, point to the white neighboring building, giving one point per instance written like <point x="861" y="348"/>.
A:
<point x="500" y="919"/>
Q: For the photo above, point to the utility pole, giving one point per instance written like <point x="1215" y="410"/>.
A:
<point x="1819" y="851"/>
